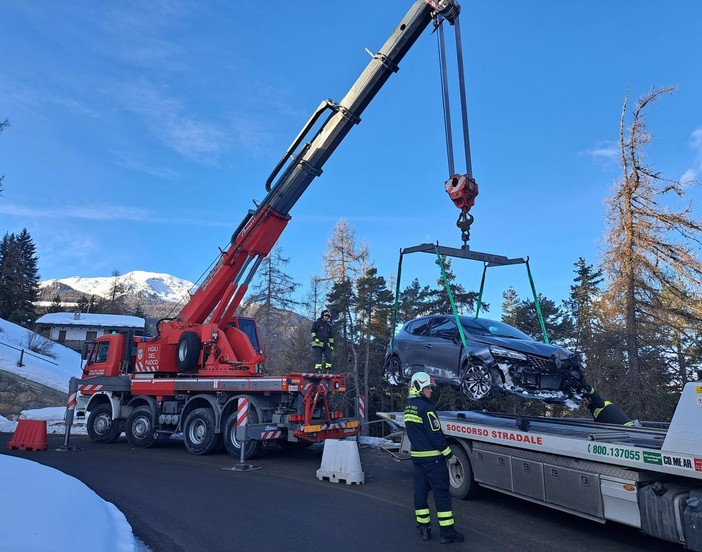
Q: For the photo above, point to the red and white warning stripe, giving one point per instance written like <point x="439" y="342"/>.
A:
<point x="242" y="412"/>
<point x="88" y="388"/>
<point x="72" y="399"/>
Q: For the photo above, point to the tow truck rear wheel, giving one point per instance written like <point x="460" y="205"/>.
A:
<point x="252" y="449"/>
<point x="140" y="428"/>
<point x="199" y="432"/>
<point x="101" y="427"/>
<point x="463" y="484"/>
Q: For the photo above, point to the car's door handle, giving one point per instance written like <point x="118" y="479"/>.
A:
<point x="428" y="345"/>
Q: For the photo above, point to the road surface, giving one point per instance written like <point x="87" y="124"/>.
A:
<point x="177" y="502"/>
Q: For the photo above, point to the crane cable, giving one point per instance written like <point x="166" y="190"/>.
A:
<point x="462" y="188"/>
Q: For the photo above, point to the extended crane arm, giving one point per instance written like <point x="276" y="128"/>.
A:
<point x="225" y="286"/>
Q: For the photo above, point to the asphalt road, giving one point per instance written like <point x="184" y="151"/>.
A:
<point x="177" y="502"/>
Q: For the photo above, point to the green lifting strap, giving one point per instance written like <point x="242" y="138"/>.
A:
<point x="397" y="300"/>
<point x="450" y="296"/>
<point x="482" y="287"/>
<point x="536" y="303"/>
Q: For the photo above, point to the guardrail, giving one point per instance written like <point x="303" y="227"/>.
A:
<point x="23" y="352"/>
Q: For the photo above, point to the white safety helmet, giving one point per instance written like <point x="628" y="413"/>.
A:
<point x="419" y="381"/>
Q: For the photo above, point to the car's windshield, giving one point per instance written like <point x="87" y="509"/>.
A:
<point x="483" y="326"/>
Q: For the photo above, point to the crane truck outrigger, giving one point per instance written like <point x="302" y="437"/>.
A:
<point x="192" y="374"/>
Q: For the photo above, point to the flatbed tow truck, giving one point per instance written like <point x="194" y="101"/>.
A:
<point x="647" y="476"/>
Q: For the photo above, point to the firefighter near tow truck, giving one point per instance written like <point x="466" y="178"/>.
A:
<point x="322" y="342"/>
<point x="431" y="456"/>
<point x="603" y="411"/>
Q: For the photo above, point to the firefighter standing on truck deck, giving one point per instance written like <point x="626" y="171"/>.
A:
<point x="322" y="342"/>
<point x="430" y="456"/>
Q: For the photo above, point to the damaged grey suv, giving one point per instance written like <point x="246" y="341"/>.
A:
<point x="497" y="357"/>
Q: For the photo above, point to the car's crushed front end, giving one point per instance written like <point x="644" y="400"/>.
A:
<point x="553" y="378"/>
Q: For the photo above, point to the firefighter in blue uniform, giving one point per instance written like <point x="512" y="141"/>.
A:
<point x="604" y="411"/>
<point x="430" y="456"/>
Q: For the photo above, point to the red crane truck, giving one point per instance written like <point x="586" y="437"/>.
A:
<point x="192" y="374"/>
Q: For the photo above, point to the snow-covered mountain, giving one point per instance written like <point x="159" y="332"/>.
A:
<point x="145" y="285"/>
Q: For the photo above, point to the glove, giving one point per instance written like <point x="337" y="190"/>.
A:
<point x="316" y="341"/>
<point x="452" y="460"/>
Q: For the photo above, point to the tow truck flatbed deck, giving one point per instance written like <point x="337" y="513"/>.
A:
<point x="673" y="449"/>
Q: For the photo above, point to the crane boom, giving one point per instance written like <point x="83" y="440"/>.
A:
<point x="221" y="292"/>
<point x="204" y="368"/>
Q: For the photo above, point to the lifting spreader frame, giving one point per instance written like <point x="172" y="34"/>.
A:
<point x="488" y="259"/>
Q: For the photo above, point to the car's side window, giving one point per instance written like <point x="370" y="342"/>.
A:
<point x="444" y="328"/>
<point x="419" y="327"/>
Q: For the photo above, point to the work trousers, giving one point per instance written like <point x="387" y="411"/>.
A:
<point x="322" y="358"/>
<point x="433" y="476"/>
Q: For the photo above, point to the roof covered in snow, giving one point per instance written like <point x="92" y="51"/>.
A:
<point x="94" y="320"/>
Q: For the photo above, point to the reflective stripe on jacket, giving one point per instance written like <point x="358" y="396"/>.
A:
<point x="321" y="333"/>
<point x="424" y="430"/>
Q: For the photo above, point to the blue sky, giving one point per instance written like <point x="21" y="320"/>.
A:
<point x="142" y="131"/>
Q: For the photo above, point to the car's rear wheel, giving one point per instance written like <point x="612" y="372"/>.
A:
<point x="476" y="382"/>
<point x="393" y="371"/>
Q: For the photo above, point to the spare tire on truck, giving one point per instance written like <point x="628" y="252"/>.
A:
<point x="188" y="351"/>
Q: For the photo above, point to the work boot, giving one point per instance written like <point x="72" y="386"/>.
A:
<point x="451" y="536"/>
<point x="424" y="532"/>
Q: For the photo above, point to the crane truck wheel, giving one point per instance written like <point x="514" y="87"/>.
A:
<point x="199" y="432"/>
<point x="252" y="449"/>
<point x="140" y="428"/>
<point x="463" y="484"/>
<point x="101" y="427"/>
<point x="188" y="351"/>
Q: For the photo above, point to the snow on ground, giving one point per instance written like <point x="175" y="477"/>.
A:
<point x="52" y="372"/>
<point x="45" y="509"/>
<point x="40" y="513"/>
<point x="38" y="519"/>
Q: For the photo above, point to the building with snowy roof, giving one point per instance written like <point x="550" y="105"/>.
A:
<point x="73" y="329"/>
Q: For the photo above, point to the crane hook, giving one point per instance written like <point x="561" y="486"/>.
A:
<point x="462" y="189"/>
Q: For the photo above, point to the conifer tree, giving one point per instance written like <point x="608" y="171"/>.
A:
<point x="56" y="305"/>
<point x="373" y="308"/>
<point x="19" y="279"/>
<point x="464" y="300"/>
<point x="271" y="302"/>
<point x="414" y="301"/>
<point x="344" y="261"/>
<point x="583" y="304"/>
<point x="652" y="252"/>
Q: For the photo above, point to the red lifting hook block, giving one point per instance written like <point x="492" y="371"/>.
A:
<point x="463" y="190"/>
<point x="29" y="435"/>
